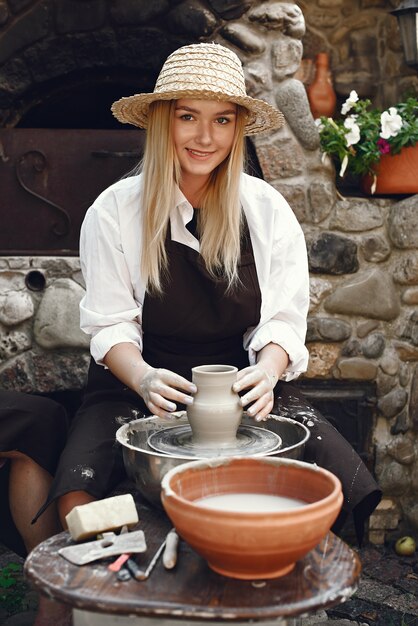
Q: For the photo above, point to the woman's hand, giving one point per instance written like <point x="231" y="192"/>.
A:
<point x="160" y="389"/>
<point x="260" y="383"/>
<point x="260" y="379"/>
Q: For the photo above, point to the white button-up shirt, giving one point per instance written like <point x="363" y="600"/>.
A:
<point x="111" y="235"/>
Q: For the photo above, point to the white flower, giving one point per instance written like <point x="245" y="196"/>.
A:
<point x="348" y="104"/>
<point x="353" y="135"/>
<point x="391" y="123"/>
<point x="319" y="124"/>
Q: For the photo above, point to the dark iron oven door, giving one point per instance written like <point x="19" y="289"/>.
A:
<point x="49" y="178"/>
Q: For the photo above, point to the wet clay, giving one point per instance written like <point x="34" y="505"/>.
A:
<point x="216" y="411"/>
<point x="250" y="503"/>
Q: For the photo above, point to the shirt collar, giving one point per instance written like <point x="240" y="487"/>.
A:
<point x="181" y="214"/>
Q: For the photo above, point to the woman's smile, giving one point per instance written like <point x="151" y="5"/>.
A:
<point x="198" y="154"/>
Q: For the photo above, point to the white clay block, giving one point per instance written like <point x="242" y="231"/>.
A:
<point x="88" y="520"/>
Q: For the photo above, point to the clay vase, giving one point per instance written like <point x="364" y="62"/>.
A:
<point x="216" y="411"/>
<point x="321" y="94"/>
<point x="251" y="544"/>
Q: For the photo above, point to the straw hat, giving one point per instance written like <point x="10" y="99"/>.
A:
<point x="204" y="71"/>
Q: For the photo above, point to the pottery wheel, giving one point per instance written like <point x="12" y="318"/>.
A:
<point x="178" y="440"/>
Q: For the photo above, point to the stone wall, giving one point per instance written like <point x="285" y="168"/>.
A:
<point x="363" y="252"/>
<point x="362" y="38"/>
<point x="42" y="348"/>
<point x="363" y="325"/>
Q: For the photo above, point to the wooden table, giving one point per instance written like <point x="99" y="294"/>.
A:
<point x="327" y="576"/>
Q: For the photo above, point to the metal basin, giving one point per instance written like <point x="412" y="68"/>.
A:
<point x="146" y="467"/>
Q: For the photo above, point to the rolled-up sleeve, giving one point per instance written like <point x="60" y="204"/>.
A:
<point x="285" y="292"/>
<point x="109" y="311"/>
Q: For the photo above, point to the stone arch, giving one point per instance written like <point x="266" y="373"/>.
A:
<point x="51" y="69"/>
<point x="49" y="50"/>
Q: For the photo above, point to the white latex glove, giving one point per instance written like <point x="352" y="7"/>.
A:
<point x="260" y="381"/>
<point x="159" y="387"/>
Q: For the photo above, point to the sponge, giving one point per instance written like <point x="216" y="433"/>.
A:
<point x="87" y="520"/>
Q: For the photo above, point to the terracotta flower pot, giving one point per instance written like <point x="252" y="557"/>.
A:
<point x="255" y="544"/>
<point x="396" y="174"/>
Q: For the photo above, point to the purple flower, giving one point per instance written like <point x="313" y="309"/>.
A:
<point x="383" y="145"/>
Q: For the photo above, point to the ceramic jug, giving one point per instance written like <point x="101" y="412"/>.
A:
<point x="321" y="94"/>
<point x="216" y="411"/>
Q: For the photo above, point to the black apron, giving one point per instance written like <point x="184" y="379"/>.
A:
<point x="197" y="321"/>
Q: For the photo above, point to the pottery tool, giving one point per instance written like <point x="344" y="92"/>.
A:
<point x="88" y="520"/>
<point x="144" y="574"/>
<point x="134" y="569"/>
<point x="110" y="545"/>
<point x="129" y="568"/>
<point x="116" y="565"/>
<point x="123" y="575"/>
<point x="171" y="549"/>
<point x="153" y="561"/>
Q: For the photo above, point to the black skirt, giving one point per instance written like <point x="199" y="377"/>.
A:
<point x="33" y="425"/>
<point x="37" y="427"/>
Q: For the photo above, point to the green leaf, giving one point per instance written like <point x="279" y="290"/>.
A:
<point x="13" y="567"/>
<point x="5" y="582"/>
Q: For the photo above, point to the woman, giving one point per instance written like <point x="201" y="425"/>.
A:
<point x="191" y="262"/>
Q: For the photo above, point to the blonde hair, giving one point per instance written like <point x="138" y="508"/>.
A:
<point x="219" y="216"/>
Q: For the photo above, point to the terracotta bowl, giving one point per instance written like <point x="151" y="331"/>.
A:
<point x="251" y="545"/>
